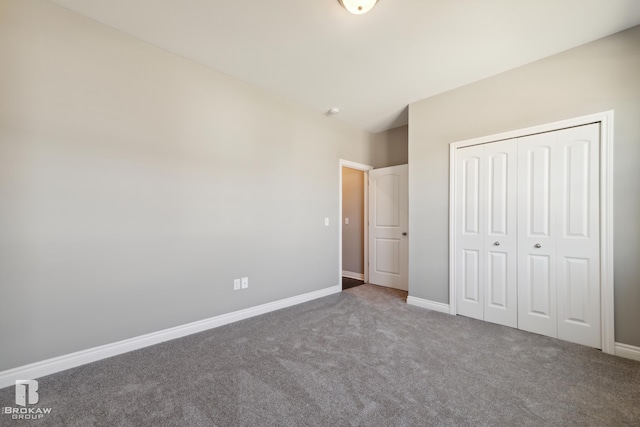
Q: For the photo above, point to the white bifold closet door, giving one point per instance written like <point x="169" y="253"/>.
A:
<point x="486" y="186"/>
<point x="559" y="235"/>
<point x="527" y="233"/>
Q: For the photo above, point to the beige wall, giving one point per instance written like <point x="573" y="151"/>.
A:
<point x="136" y="185"/>
<point x="600" y="76"/>
<point x="390" y="148"/>
<point x="353" y="208"/>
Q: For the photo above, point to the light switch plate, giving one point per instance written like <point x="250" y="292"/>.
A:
<point x="326" y="222"/>
<point x="346" y="221"/>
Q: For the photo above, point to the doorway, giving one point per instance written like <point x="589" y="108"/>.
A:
<point x="353" y="224"/>
<point x="373" y="246"/>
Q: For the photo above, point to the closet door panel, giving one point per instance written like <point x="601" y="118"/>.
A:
<point x="579" y="236"/>
<point x="469" y="226"/>
<point x="537" y="230"/>
<point x="500" y="280"/>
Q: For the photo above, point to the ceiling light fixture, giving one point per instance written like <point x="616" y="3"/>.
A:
<point x="358" y="7"/>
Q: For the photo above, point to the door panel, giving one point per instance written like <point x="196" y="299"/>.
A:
<point x="540" y="290"/>
<point x="576" y="280"/>
<point x="469" y="217"/>
<point x="576" y="190"/>
<point x="388" y="220"/>
<point x="387" y="256"/>
<point x="471" y="267"/>
<point x="497" y="280"/>
<point x="500" y="278"/>
<point x="537" y="200"/>
<point x="538" y="175"/>
<point x="579" y="237"/>
<point x="498" y="195"/>
<point x="387" y="201"/>
<point x="486" y="215"/>
<point x="471" y="195"/>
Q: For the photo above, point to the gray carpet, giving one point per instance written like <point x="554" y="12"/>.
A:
<point x="362" y="357"/>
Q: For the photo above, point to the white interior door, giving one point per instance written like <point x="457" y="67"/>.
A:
<point x="470" y="224"/>
<point x="485" y="219"/>
<point x="500" y="233"/>
<point x="578" y="243"/>
<point x="388" y="227"/>
<point x="528" y="231"/>
<point x="559" y="240"/>
<point x="537" y="230"/>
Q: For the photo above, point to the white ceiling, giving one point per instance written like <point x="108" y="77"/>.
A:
<point x="370" y="66"/>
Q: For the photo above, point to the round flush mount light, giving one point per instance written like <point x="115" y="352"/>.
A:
<point x="358" y="7"/>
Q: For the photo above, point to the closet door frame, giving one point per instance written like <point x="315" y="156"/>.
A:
<point x="606" y="210"/>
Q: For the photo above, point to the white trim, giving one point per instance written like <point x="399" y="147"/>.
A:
<point x="68" y="361"/>
<point x="430" y="305"/>
<point x="548" y="127"/>
<point x="365" y="168"/>
<point x="352" y="275"/>
<point x="452" y="230"/>
<point x="627" y="351"/>
<point x="353" y="165"/>
<point x="606" y="209"/>
<point x="607" y="320"/>
<point x="365" y="216"/>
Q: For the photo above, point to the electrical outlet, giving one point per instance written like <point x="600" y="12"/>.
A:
<point x="326" y="222"/>
<point x="346" y="221"/>
<point x="236" y="284"/>
<point x="245" y="282"/>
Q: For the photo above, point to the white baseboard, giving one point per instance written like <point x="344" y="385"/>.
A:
<point x="68" y="361"/>
<point x="431" y="305"/>
<point x="627" y="351"/>
<point x="352" y="275"/>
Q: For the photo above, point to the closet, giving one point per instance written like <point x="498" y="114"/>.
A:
<point x="527" y="233"/>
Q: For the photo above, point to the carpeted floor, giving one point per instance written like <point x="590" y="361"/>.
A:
<point x="361" y="357"/>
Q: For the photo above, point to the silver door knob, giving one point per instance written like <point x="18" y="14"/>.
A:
<point x="538" y="245"/>
<point x="497" y="243"/>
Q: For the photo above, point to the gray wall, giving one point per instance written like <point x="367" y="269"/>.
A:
<point x="353" y="208"/>
<point x="600" y="76"/>
<point x="391" y="148"/>
<point x="136" y="185"/>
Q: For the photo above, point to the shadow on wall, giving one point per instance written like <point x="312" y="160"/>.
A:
<point x="391" y="148"/>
